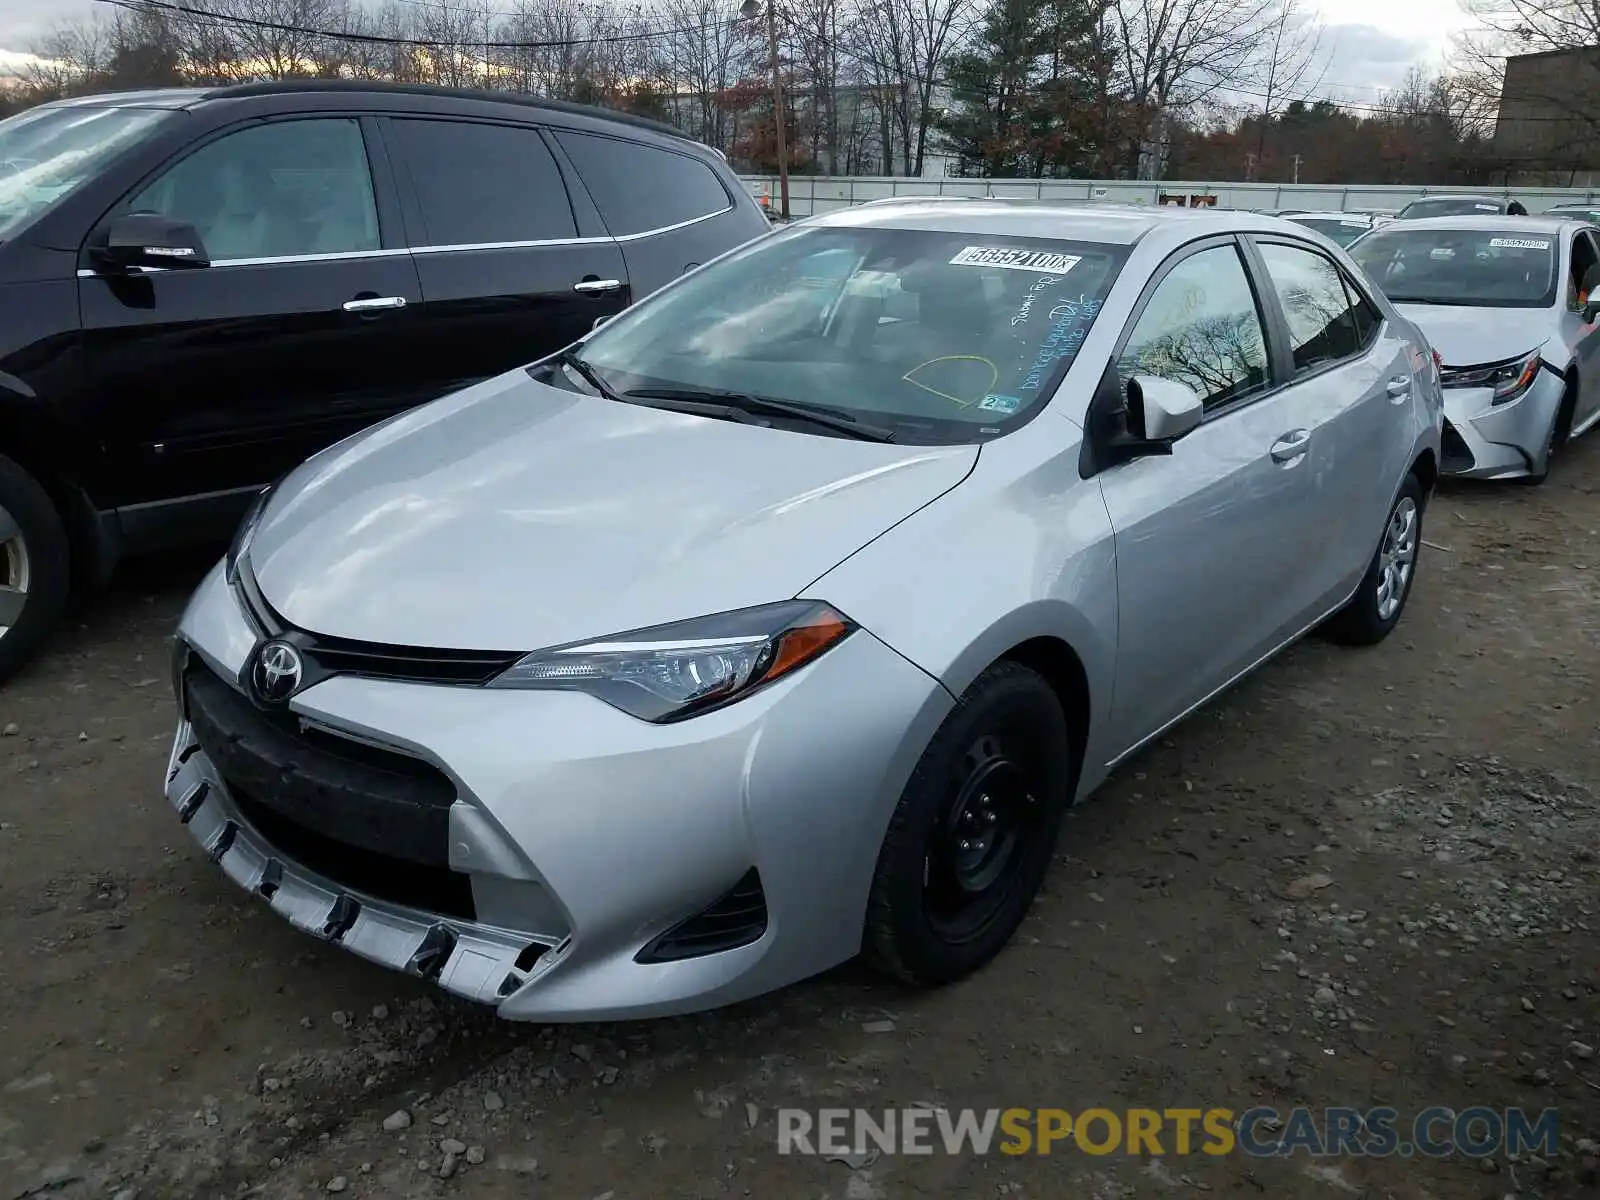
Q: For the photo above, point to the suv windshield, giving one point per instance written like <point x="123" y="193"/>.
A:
<point x="46" y="152"/>
<point x="1487" y="267"/>
<point x="939" y="337"/>
<point x="1450" y="206"/>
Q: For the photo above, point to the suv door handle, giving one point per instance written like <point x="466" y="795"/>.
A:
<point x="1399" y="387"/>
<point x="1291" y="446"/>
<point x="596" y="285"/>
<point x="374" y="303"/>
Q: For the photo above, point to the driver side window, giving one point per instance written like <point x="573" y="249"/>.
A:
<point x="1583" y="277"/>
<point x="285" y="189"/>
<point x="1202" y="328"/>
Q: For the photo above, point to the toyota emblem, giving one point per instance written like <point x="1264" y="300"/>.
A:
<point x="277" y="672"/>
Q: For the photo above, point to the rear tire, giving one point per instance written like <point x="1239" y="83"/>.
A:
<point x="34" y="566"/>
<point x="1375" y="609"/>
<point x="973" y="834"/>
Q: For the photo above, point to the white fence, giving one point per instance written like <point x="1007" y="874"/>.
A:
<point x="810" y="194"/>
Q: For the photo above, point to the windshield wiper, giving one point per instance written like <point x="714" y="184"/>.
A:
<point x="590" y="375"/>
<point x="743" y="402"/>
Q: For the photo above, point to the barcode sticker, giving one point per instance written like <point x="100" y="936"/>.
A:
<point x="1503" y="243"/>
<point x="1016" y="258"/>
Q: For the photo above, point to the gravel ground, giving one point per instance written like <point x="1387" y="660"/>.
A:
<point x="1364" y="877"/>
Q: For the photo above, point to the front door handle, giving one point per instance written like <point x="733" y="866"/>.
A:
<point x="1399" y="388"/>
<point x="374" y="303"/>
<point x="1291" y="446"/>
<point x="591" y="286"/>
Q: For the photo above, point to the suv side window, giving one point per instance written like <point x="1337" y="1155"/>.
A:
<point x="1322" y="328"/>
<point x="638" y="188"/>
<point x="1202" y="328"/>
<point x="280" y="190"/>
<point x="483" y="185"/>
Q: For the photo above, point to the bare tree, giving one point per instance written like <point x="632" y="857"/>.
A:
<point x="1175" y="53"/>
<point x="1288" y="66"/>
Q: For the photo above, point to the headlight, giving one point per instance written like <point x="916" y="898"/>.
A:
<point x="670" y="672"/>
<point x="1510" y="379"/>
<point x="246" y="531"/>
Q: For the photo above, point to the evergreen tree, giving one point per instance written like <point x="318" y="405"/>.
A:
<point x="1029" y="96"/>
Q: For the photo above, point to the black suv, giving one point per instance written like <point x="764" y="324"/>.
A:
<point x="200" y="289"/>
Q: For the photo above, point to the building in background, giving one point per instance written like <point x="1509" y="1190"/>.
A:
<point x="1547" y="132"/>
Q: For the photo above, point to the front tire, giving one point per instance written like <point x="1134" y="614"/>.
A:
<point x="1375" y="609"/>
<point x="34" y="566"/>
<point x="972" y="836"/>
<point x="1555" y="438"/>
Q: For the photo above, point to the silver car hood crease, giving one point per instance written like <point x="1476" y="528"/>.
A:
<point x="1468" y="336"/>
<point x="513" y="516"/>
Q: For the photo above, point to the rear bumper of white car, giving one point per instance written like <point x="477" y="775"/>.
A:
<point x="1483" y="440"/>
<point x="552" y="841"/>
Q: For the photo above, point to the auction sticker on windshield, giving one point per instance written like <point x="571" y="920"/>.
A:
<point x="1519" y="243"/>
<point x="1015" y="258"/>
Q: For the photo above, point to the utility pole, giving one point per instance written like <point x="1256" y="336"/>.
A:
<point x="749" y="9"/>
<point x="1297" y="168"/>
<point x="1249" y="168"/>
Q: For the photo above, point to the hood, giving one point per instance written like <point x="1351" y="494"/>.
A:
<point x="1470" y="337"/>
<point x="514" y="516"/>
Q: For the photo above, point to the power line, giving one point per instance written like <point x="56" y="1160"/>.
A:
<point x="389" y="39"/>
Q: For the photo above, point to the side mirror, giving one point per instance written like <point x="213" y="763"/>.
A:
<point x="1160" y="410"/>
<point x="1591" y="312"/>
<point x="147" y="239"/>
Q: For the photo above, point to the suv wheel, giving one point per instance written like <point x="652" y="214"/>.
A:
<point x="33" y="566"/>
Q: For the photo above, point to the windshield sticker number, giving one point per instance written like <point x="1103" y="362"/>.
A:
<point x="1519" y="243"/>
<point x="1494" y="208"/>
<point x="1014" y="258"/>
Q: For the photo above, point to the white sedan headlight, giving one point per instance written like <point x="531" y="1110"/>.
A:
<point x="671" y="672"/>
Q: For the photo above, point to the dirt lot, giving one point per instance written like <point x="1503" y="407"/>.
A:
<point x="1363" y="878"/>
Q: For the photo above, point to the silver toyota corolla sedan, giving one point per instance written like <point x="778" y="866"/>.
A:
<point x="779" y="620"/>
<point x="1504" y="301"/>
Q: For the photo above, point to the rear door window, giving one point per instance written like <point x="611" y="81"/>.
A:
<point x="639" y="188"/>
<point x="1322" y="328"/>
<point x="482" y="185"/>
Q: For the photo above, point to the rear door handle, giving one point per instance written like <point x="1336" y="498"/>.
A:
<point x="1291" y="445"/>
<point x="589" y="286"/>
<point x="374" y="303"/>
<point x="1399" y="388"/>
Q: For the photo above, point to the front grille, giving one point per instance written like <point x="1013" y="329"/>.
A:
<point x="327" y="656"/>
<point x="737" y="919"/>
<point x="1457" y="455"/>
<point x="351" y="793"/>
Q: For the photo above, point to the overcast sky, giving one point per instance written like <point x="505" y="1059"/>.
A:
<point x="1369" y="44"/>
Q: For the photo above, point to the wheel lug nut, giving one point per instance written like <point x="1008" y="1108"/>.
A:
<point x="988" y="818"/>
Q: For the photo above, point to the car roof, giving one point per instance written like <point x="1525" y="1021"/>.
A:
<point x="1063" y="220"/>
<point x="1500" y="202"/>
<point x="194" y="97"/>
<point x="1490" y="222"/>
<point x="1333" y="215"/>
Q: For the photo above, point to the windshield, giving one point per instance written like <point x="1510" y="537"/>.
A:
<point x="1485" y="267"/>
<point x="1450" y="206"/>
<point x="46" y="152"/>
<point x="940" y="337"/>
<point x="1343" y="230"/>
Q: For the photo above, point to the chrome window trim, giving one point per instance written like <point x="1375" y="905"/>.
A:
<point x="396" y="251"/>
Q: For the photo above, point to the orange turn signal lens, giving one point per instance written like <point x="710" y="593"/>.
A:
<point x="805" y="640"/>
